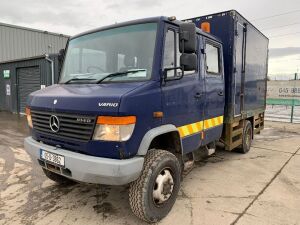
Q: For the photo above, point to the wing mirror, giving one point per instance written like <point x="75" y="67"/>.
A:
<point x="188" y="61"/>
<point x="187" y="46"/>
<point x="187" y="38"/>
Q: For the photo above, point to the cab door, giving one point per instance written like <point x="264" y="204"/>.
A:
<point x="215" y="90"/>
<point x="182" y="100"/>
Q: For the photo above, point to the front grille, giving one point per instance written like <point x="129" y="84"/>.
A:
<point x="72" y="127"/>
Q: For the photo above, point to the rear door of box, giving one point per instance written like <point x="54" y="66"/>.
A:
<point x="239" y="71"/>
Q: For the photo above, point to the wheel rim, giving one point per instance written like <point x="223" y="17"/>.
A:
<point x="163" y="187"/>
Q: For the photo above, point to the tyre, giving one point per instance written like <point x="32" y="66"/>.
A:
<point x="247" y="138"/>
<point x="58" y="178"/>
<point x="154" y="193"/>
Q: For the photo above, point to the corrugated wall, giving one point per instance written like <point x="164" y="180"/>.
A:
<point x="18" y="42"/>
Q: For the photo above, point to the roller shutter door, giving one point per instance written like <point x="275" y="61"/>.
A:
<point x="29" y="81"/>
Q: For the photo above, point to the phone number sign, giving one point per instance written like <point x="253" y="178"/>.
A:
<point x="283" y="92"/>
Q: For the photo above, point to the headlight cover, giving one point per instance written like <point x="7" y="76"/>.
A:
<point x="28" y="115"/>
<point x="114" y="128"/>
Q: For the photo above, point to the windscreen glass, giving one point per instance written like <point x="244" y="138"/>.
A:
<point x="120" y="54"/>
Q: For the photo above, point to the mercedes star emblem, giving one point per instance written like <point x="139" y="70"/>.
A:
<point x="54" y="123"/>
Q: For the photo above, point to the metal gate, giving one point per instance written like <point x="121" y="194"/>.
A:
<point x="29" y="80"/>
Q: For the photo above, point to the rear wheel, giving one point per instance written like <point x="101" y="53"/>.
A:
<point x="247" y="138"/>
<point x="154" y="193"/>
<point x="58" y="178"/>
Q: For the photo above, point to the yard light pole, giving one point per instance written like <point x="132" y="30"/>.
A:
<point x="293" y="102"/>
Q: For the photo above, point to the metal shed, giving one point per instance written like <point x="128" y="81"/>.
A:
<point x="23" y="64"/>
<point x="21" y="77"/>
<point x="20" y="42"/>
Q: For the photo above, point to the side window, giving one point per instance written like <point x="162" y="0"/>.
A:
<point x="169" y="52"/>
<point x="212" y="59"/>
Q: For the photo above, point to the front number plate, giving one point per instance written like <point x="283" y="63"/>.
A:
<point x="53" y="158"/>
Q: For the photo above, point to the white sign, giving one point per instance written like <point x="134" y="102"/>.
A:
<point x="8" y="89"/>
<point x="289" y="89"/>
<point x="43" y="86"/>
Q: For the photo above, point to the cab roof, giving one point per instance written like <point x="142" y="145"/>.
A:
<point x="146" y="20"/>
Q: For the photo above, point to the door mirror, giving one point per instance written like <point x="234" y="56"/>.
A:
<point x="187" y="38"/>
<point x="188" y="62"/>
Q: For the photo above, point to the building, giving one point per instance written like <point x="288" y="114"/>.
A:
<point x="28" y="62"/>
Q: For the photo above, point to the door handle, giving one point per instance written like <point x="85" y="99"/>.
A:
<point x="220" y="93"/>
<point x="198" y="95"/>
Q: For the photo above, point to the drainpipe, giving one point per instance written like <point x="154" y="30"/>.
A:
<point x="52" y="67"/>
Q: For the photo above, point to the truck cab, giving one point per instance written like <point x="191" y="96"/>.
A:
<point x="134" y="102"/>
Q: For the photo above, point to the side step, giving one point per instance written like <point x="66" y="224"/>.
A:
<point x="191" y="158"/>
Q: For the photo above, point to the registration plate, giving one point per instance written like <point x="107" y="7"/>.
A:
<point x="53" y="158"/>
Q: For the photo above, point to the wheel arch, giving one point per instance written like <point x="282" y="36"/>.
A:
<point x="163" y="137"/>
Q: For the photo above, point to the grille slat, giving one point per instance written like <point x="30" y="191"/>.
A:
<point x="42" y="125"/>
<point x="40" y="121"/>
<point x="74" y="131"/>
<point x="70" y="127"/>
<point x="40" y="116"/>
<point x="71" y="121"/>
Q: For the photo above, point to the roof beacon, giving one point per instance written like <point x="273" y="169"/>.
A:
<point x="205" y="26"/>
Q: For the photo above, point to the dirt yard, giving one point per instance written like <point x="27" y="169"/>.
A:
<point x="261" y="187"/>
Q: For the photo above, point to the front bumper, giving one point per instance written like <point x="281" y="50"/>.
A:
<point x="90" y="169"/>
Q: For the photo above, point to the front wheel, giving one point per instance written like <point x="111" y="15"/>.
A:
<point x="154" y="193"/>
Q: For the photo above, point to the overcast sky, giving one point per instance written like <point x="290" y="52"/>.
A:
<point x="74" y="16"/>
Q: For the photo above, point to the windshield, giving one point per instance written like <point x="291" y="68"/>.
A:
<point x="119" y="54"/>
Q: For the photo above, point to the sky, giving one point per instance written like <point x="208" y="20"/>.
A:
<point x="278" y="20"/>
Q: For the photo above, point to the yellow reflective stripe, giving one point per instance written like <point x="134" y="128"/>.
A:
<point x="197" y="127"/>
<point x="180" y="132"/>
<point x="221" y="118"/>
<point x="194" y="128"/>
<point x="185" y="131"/>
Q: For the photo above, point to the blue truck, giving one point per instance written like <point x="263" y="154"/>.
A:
<point x="137" y="102"/>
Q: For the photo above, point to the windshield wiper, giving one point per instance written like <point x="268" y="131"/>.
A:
<point x="75" y="79"/>
<point x="117" y="74"/>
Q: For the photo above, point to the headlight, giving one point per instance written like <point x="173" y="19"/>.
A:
<point x="111" y="128"/>
<point x="28" y="115"/>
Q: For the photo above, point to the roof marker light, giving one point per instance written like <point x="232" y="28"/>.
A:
<point x="172" y="18"/>
<point x="205" y="26"/>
